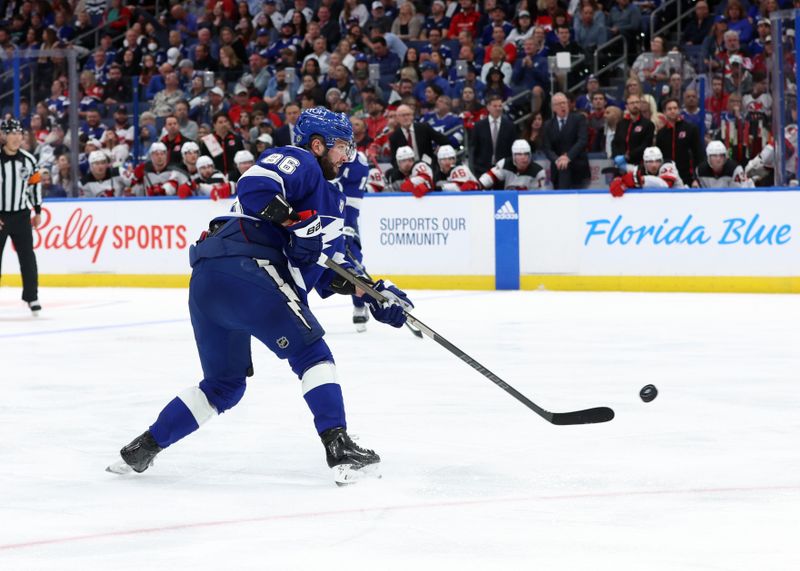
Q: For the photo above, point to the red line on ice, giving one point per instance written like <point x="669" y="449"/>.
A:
<point x="588" y="495"/>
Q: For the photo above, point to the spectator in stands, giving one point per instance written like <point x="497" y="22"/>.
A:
<point x="216" y="104"/>
<point x="408" y="24"/>
<point x="499" y="40"/>
<point x="165" y="100"/>
<point x="739" y="80"/>
<point x="435" y="45"/>
<point x="717" y="101"/>
<point x="498" y="56"/>
<point x="497" y="19"/>
<point x="496" y="84"/>
<point x="522" y="31"/>
<point x="762" y="61"/>
<point x="230" y="66"/>
<point x="604" y="139"/>
<point x="361" y="138"/>
<point x="91" y="93"/>
<point x="376" y="119"/>
<point x="311" y="88"/>
<point x="117" y="16"/>
<point x="421" y="137"/>
<point x="444" y="121"/>
<point x="130" y="65"/>
<point x="388" y="62"/>
<point x="738" y="21"/>
<point x="699" y="27"/>
<point x="732" y="48"/>
<point x="353" y="12"/>
<point x="492" y="137"/>
<point x="48" y="188"/>
<point x="279" y="91"/>
<point x="437" y="19"/>
<point x="203" y="60"/>
<point x="430" y="77"/>
<point x="466" y="19"/>
<point x="285" y="135"/>
<point x="763" y="31"/>
<point x="121" y="126"/>
<point x="117" y="89"/>
<point x="734" y="130"/>
<point x="652" y="67"/>
<point x="672" y="90"/>
<point x="679" y="141"/>
<point x="173" y="140"/>
<point x="62" y="175"/>
<point x="470" y="109"/>
<point x="691" y="111"/>
<point x="564" y="144"/>
<point x="117" y="150"/>
<point x="411" y="65"/>
<point x="625" y="19"/>
<point x="222" y="145"/>
<point x="590" y="28"/>
<point x="92" y="128"/>
<point x="596" y="117"/>
<point x="633" y="134"/>
<point x="98" y="65"/>
<point x="328" y="28"/>
<point x="532" y="132"/>
<point x="633" y="87"/>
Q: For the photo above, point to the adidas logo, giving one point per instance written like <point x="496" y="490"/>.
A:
<point x="506" y="212"/>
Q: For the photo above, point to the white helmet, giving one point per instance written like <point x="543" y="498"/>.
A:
<point x="520" y="147"/>
<point x="97" y="157"/>
<point x="158" y="146"/>
<point x="446" y="152"/>
<point x="189" y="147"/>
<point x="716" y="148"/>
<point x="243" y="157"/>
<point x="204" y="161"/>
<point x="652" y="154"/>
<point x="403" y="153"/>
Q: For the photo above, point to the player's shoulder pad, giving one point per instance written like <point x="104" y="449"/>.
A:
<point x="362" y="158"/>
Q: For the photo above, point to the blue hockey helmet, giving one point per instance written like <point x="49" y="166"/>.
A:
<point x="327" y="124"/>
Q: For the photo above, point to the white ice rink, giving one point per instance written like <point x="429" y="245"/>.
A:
<point x="707" y="476"/>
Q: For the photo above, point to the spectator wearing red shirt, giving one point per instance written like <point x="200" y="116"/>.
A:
<point x="376" y="120"/>
<point x="467" y="19"/>
<point x="499" y="39"/>
<point x="717" y="102"/>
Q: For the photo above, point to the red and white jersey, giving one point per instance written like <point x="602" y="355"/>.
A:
<point x="149" y="182"/>
<point x="667" y="177"/>
<point x="421" y="174"/>
<point x="375" y="180"/>
<point x="459" y="178"/>
<point x="114" y="184"/>
<point x="215" y="186"/>
<point x="532" y="178"/>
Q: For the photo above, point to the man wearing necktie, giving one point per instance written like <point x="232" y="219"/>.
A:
<point x="565" y="138"/>
<point x="421" y="137"/>
<point x="492" y="137"/>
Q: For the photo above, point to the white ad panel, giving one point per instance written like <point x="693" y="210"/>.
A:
<point x="661" y="234"/>
<point x="118" y="236"/>
<point x="434" y="235"/>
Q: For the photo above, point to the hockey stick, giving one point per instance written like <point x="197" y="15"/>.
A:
<point x="588" y="416"/>
<point x="363" y="270"/>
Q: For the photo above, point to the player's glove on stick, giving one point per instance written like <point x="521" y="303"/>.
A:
<point x="305" y="239"/>
<point x="391" y="310"/>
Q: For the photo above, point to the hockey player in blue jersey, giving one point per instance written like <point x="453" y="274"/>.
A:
<point x="352" y="181"/>
<point x="251" y="273"/>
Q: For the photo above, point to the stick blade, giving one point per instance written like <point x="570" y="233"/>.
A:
<point x="588" y="416"/>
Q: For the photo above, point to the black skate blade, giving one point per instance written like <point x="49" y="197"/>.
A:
<point x="588" y="416"/>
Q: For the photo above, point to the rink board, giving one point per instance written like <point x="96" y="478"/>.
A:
<point x="743" y="241"/>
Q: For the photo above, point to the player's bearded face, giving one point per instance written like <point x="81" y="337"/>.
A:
<point x="331" y="160"/>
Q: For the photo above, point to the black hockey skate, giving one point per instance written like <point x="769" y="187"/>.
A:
<point x="137" y="456"/>
<point x="360" y="318"/>
<point x="348" y="461"/>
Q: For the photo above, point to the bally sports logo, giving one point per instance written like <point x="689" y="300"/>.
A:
<point x="80" y="232"/>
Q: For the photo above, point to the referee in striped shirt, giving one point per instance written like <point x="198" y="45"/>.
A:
<point x="20" y="190"/>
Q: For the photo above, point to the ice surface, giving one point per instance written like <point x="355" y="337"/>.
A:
<point x="707" y="476"/>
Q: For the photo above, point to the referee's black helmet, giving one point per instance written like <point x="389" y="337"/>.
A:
<point x="11" y="126"/>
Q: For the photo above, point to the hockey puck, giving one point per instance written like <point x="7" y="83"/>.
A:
<point x="648" y="393"/>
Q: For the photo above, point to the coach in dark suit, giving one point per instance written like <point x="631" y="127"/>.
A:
<point x="565" y="138"/>
<point x="492" y="137"/>
<point x="419" y="136"/>
<point x="283" y="135"/>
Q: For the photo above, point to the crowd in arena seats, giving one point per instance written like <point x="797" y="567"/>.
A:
<point x="225" y="80"/>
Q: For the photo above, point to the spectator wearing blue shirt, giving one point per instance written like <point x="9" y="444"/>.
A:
<point x="590" y="28"/>
<point x="699" y="27"/>
<point x="98" y="66"/>
<point x="388" y="62"/>
<point x="437" y="20"/>
<point x="625" y="19"/>
<point x="471" y="80"/>
<point x="530" y="70"/>
<point x="763" y="31"/>
<point x="738" y="21"/>
<point x="92" y="128"/>
<point x="183" y="21"/>
<point x="435" y="45"/>
<point x="430" y="77"/>
<point x="443" y="120"/>
<point x="498" y="20"/>
<point x="691" y="111"/>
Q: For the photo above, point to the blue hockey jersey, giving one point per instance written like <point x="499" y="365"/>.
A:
<point x="447" y="123"/>
<point x="353" y="183"/>
<point x="296" y="174"/>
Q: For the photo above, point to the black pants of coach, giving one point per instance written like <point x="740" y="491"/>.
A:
<point x="17" y="226"/>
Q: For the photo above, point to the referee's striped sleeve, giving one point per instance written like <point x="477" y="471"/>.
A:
<point x="34" y="183"/>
